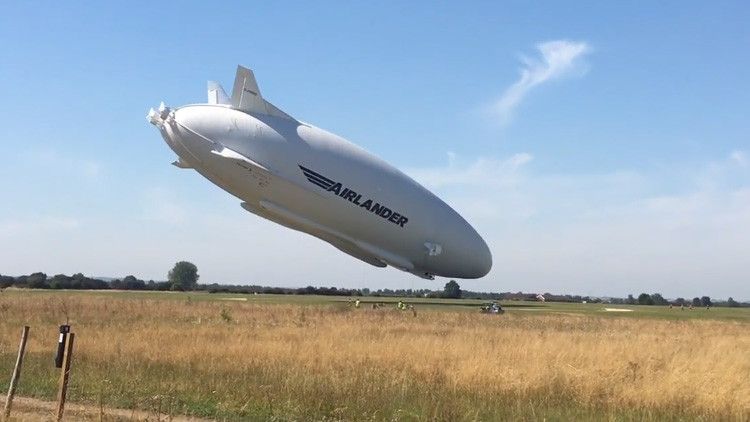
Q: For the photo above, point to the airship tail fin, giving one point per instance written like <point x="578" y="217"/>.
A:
<point x="216" y="94"/>
<point x="245" y="93"/>
<point x="246" y="96"/>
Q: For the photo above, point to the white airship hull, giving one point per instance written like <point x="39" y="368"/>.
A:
<point x="310" y="180"/>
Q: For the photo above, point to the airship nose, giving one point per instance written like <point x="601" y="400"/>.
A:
<point x="466" y="253"/>
<point x="482" y="258"/>
<point x="187" y="131"/>
<point x="476" y="256"/>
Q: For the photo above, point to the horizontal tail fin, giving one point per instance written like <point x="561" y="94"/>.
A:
<point x="216" y="94"/>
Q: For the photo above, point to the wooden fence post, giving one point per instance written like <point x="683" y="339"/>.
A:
<point x="64" y="376"/>
<point x="16" y="373"/>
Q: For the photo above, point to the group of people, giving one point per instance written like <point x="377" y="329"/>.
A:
<point x="682" y="307"/>
<point x="401" y="306"/>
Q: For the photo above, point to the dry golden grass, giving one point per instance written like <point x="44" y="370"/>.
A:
<point x="315" y="362"/>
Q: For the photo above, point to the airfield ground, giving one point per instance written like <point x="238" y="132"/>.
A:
<point x="271" y="357"/>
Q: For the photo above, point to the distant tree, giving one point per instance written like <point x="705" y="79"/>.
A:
<point x="159" y="286"/>
<point x="705" y="301"/>
<point x="732" y="303"/>
<point x="645" y="299"/>
<point x="183" y="276"/>
<point x="96" y="284"/>
<point x="630" y="300"/>
<point x="680" y="301"/>
<point x="309" y="290"/>
<point x="77" y="281"/>
<point x="6" y="281"/>
<point x="452" y="290"/>
<point x="658" y="299"/>
<point x="132" y="283"/>
<point x="60" y="281"/>
<point x="37" y="281"/>
<point x="128" y="283"/>
<point x="116" y="284"/>
<point x="696" y="301"/>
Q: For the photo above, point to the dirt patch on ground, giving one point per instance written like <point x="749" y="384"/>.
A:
<point x="27" y="409"/>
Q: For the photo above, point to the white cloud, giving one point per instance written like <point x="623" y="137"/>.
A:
<point x="558" y="58"/>
<point x="739" y="157"/>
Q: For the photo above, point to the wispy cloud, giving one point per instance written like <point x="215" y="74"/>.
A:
<point x="483" y="171"/>
<point x="557" y="58"/>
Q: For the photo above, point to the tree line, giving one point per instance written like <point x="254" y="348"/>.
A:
<point x="657" y="299"/>
<point x="79" y="282"/>
<point x="184" y="277"/>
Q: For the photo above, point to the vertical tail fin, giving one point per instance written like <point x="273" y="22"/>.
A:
<point x="246" y="95"/>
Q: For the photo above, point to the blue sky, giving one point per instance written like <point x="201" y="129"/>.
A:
<point x="599" y="148"/>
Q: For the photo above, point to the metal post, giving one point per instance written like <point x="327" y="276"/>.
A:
<point x="64" y="376"/>
<point x="64" y="330"/>
<point x="16" y="373"/>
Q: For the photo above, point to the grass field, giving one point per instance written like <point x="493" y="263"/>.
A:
<point x="261" y="357"/>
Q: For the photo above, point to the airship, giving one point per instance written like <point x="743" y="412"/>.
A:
<point x="307" y="179"/>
